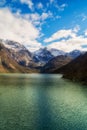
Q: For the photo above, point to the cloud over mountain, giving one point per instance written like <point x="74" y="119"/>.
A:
<point x="67" y="40"/>
<point x="14" y="27"/>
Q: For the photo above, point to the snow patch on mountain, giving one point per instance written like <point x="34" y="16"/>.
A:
<point x="13" y="45"/>
<point x="56" y="52"/>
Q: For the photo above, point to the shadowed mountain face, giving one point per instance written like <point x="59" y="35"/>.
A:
<point x="8" y="65"/>
<point x="56" y="63"/>
<point x="76" y="69"/>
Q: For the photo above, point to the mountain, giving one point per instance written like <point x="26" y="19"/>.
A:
<point x="42" y="56"/>
<point x="51" y="59"/>
<point x="19" y="53"/>
<point x="9" y="65"/>
<point x="56" y="52"/>
<point x="12" y="45"/>
<point x="75" y="53"/>
<point x="56" y="63"/>
<point x="76" y="69"/>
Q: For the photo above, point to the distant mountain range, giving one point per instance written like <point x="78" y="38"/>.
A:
<point x="16" y="58"/>
<point x="44" y="55"/>
<point x="75" y="53"/>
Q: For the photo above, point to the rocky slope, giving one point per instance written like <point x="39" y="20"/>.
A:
<point x="19" y="53"/>
<point x="56" y="63"/>
<point x="76" y="70"/>
<point x="9" y="65"/>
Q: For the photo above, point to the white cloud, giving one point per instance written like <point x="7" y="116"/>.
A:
<point x="68" y="40"/>
<point x="33" y="17"/>
<point x="38" y="19"/>
<point x="61" y="7"/>
<point x="85" y="32"/>
<point x="57" y="17"/>
<point x="56" y="4"/>
<point x="40" y="5"/>
<point x="44" y="16"/>
<point x="28" y="2"/>
<point x="84" y="17"/>
<point x="14" y="27"/>
<point x="61" y="34"/>
<point x="70" y="44"/>
<point x="76" y="29"/>
<point x="34" y="45"/>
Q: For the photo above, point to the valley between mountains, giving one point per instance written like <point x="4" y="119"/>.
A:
<point x="16" y="58"/>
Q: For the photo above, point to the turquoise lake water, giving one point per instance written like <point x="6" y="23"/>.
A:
<point x="41" y="102"/>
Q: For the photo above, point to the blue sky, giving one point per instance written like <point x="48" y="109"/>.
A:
<point x="60" y="24"/>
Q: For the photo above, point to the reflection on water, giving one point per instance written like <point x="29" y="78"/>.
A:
<point x="41" y="102"/>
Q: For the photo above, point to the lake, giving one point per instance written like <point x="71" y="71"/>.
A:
<point x="41" y="102"/>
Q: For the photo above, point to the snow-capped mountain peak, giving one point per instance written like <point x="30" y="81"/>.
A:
<point x="13" y="45"/>
<point x="42" y="55"/>
<point x="56" y="52"/>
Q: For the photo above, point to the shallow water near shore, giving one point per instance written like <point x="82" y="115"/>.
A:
<point x="41" y="102"/>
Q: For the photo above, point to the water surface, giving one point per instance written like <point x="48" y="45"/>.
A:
<point x="41" y="102"/>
